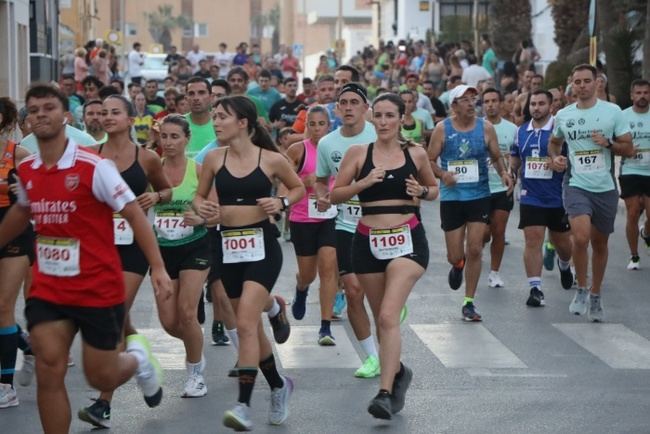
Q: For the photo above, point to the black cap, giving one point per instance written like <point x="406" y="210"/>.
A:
<point x="356" y="88"/>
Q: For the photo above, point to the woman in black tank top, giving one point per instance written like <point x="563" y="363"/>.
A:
<point x="389" y="250"/>
<point x="242" y="171"/>
<point x="139" y="168"/>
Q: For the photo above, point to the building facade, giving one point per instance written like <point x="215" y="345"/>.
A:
<point x="14" y="48"/>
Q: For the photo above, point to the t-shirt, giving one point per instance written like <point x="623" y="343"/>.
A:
<point x="475" y="73"/>
<point x="200" y="157"/>
<point x="285" y="111"/>
<point x="142" y="125"/>
<point x="268" y="97"/>
<point x="72" y="205"/>
<point x="224" y="60"/>
<point x="506" y="133"/>
<point x="591" y="165"/>
<point x="425" y="117"/>
<point x="82" y="138"/>
<point x="194" y="57"/>
<point x="200" y="136"/>
<point x="331" y="149"/>
<point x="136" y="60"/>
<point x="156" y="105"/>
<point x="262" y="112"/>
<point x="640" y="126"/>
<point x="488" y="59"/>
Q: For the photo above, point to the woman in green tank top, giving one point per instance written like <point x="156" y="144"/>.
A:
<point x="184" y="245"/>
<point x="411" y="127"/>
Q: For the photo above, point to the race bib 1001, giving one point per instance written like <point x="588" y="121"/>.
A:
<point x="58" y="256"/>
<point x="351" y="211"/>
<point x="391" y="243"/>
<point x="243" y="245"/>
<point x="537" y="168"/>
<point x="589" y="161"/>
<point x="464" y="170"/>
<point x="313" y="212"/>
<point x="170" y="225"/>
<point x="122" y="231"/>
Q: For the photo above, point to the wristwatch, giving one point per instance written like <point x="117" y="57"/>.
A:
<point x="609" y="143"/>
<point x="285" y="202"/>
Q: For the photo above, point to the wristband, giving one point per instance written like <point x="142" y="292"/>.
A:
<point x="425" y="192"/>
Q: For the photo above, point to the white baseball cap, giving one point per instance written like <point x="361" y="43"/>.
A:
<point x="459" y="91"/>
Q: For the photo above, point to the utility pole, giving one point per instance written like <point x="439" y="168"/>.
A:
<point x="339" y="33"/>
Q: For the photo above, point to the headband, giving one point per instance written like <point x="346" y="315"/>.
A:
<point x="355" y="88"/>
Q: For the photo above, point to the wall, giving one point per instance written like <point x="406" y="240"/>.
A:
<point x="14" y="45"/>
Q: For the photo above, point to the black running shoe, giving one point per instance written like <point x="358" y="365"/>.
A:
<point x="566" y="277"/>
<point x="470" y="314"/>
<point x="280" y="322"/>
<point x="98" y="414"/>
<point x="219" y="337"/>
<point x="536" y="298"/>
<point x="380" y="406"/>
<point x="455" y="278"/>
<point x="200" y="313"/>
<point x="400" y="385"/>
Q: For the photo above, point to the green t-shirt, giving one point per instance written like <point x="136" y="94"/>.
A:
<point x="506" y="134"/>
<point x="331" y="149"/>
<point x="640" y="128"/>
<point x="489" y="58"/>
<point x="262" y="112"/>
<point x="591" y="165"/>
<point x="200" y="136"/>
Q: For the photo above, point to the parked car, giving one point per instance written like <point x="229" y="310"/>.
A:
<point x="154" y="67"/>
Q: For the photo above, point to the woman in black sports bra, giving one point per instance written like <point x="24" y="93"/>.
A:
<point x="242" y="171"/>
<point x="139" y="168"/>
<point x="389" y="250"/>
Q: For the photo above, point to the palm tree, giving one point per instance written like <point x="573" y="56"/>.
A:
<point x="510" y="23"/>
<point x="162" y="22"/>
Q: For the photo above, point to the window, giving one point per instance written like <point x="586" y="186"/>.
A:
<point x="130" y="29"/>
<point x="200" y="30"/>
<point x="188" y="32"/>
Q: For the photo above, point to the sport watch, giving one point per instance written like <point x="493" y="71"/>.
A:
<point x="285" y="202"/>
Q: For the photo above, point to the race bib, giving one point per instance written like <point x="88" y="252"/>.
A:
<point x="242" y="245"/>
<point x="537" y="168"/>
<point x="589" y="161"/>
<point x="351" y="212"/>
<point x="464" y="170"/>
<point x="169" y="225"/>
<point x="58" y="256"/>
<point x="391" y="243"/>
<point x="313" y="212"/>
<point x="122" y="231"/>
<point x="642" y="158"/>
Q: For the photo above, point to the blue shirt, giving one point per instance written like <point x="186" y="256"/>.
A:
<point x="203" y="152"/>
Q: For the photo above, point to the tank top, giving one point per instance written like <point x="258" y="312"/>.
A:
<point x="300" y="210"/>
<point x="413" y="132"/>
<point x="168" y="220"/>
<point x="465" y="153"/>
<point x="241" y="191"/>
<point x="7" y="170"/>
<point x="134" y="175"/>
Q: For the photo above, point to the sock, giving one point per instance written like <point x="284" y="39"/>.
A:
<point x="368" y="345"/>
<point x="234" y="338"/>
<point x="564" y="265"/>
<point x="23" y="342"/>
<point x="195" y="368"/>
<point x="635" y="258"/>
<point x="467" y="300"/>
<point x="275" y="309"/>
<point x="270" y="372"/>
<point x="535" y="281"/>
<point x="246" y="384"/>
<point x="8" y="351"/>
<point x="325" y="324"/>
<point x="136" y="350"/>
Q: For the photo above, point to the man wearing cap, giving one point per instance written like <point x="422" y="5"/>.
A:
<point x="463" y="143"/>
<point x="352" y="105"/>
<point x="412" y="81"/>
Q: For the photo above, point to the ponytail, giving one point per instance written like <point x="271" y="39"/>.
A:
<point x="243" y="108"/>
<point x="261" y="137"/>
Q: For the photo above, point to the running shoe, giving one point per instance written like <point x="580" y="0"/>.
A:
<point x="634" y="263"/>
<point x="455" y="277"/>
<point x="400" y="386"/>
<point x="239" y="418"/>
<point x="98" y="414"/>
<point x="149" y="373"/>
<point x="579" y="304"/>
<point x="646" y="238"/>
<point x="381" y="407"/>
<point x="470" y="314"/>
<point x="339" y="305"/>
<point x="26" y="373"/>
<point x="219" y="337"/>
<point x="494" y="280"/>
<point x="566" y="276"/>
<point x="549" y="255"/>
<point x="536" y="298"/>
<point x="325" y="338"/>
<point x="369" y="369"/>
<point x="279" y="410"/>
<point x="195" y="386"/>
<point x="299" y="305"/>
<point x="403" y="314"/>
<point x="208" y="293"/>
<point x="280" y="322"/>
<point x="595" y="312"/>
<point x="8" y="397"/>
<point x="200" y="310"/>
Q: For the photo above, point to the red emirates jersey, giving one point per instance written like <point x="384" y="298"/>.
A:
<point x="72" y="206"/>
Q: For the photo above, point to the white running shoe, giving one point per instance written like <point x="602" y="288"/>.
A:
<point x="579" y="304"/>
<point x="239" y="418"/>
<point x="595" y="313"/>
<point x="26" y="373"/>
<point x="280" y="402"/>
<point x="494" y="280"/>
<point x="195" y="387"/>
<point x="8" y="396"/>
<point x="633" y="264"/>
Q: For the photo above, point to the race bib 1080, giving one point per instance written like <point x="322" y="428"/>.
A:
<point x="464" y="170"/>
<point x="58" y="256"/>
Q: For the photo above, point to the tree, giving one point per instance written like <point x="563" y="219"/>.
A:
<point x="570" y="17"/>
<point x="510" y="23"/>
<point x="162" y="22"/>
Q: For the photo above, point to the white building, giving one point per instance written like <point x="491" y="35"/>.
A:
<point x="14" y="48"/>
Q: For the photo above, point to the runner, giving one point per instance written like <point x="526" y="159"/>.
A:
<point x="590" y="196"/>
<point x="92" y="118"/>
<point x="463" y="143"/>
<point x="501" y="201"/>
<point x="15" y="257"/>
<point x="312" y="232"/>
<point x="198" y="93"/>
<point x="541" y="197"/>
<point x="388" y="176"/>
<point x="635" y="171"/>
<point x="252" y="257"/>
<point x="138" y="168"/>
<point x="352" y="104"/>
<point x="72" y="194"/>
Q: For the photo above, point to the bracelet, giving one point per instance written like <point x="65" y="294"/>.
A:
<point x="425" y="192"/>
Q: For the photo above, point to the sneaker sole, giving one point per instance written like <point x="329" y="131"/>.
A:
<point x="373" y="375"/>
<point x="533" y="303"/>
<point x="289" y="382"/>
<point x="467" y="319"/>
<point x="379" y="412"/>
<point x="13" y="403"/>
<point x="220" y="343"/>
<point x="87" y="417"/>
<point x="233" y="422"/>
<point x="326" y="341"/>
<point x="185" y="395"/>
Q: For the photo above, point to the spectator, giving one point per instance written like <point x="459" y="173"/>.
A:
<point x="194" y="56"/>
<point x="223" y="60"/>
<point x="489" y="57"/>
<point x="100" y="66"/>
<point x="241" y="57"/>
<point x="135" y="62"/>
<point x="80" y="66"/>
<point x="290" y="65"/>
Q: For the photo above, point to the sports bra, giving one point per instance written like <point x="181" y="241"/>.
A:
<point x="134" y="175"/>
<point x="7" y="169"/>
<point x="241" y="191"/>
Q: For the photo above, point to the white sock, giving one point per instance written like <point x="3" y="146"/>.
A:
<point x="138" y="352"/>
<point x="368" y="345"/>
<point x="195" y="368"/>
<point x="234" y="338"/>
<point x="535" y="281"/>
<point x="564" y="265"/>
<point x="275" y="309"/>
